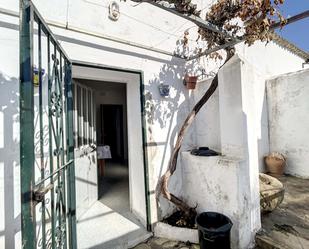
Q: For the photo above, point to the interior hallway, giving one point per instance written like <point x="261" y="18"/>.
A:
<point x="114" y="187"/>
<point x="109" y="224"/>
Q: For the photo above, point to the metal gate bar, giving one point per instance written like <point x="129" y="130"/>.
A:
<point x="53" y="193"/>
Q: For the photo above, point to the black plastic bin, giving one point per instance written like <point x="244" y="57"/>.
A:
<point x="214" y="230"/>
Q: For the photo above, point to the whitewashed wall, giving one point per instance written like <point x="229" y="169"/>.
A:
<point x="266" y="61"/>
<point x="9" y="136"/>
<point x="288" y="107"/>
<point x="228" y="184"/>
<point x="270" y="59"/>
<point x="164" y="114"/>
<point x="234" y="122"/>
<point x="207" y="123"/>
<point x="86" y="181"/>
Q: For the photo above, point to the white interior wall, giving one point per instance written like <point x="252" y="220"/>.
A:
<point x="109" y="93"/>
<point x="85" y="180"/>
<point x="288" y="106"/>
<point x="86" y="167"/>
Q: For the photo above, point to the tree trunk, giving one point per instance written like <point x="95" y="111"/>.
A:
<point x="180" y="204"/>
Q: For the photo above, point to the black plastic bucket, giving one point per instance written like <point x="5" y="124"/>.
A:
<point x="214" y="230"/>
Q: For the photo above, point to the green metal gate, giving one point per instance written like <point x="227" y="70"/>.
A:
<point x="48" y="209"/>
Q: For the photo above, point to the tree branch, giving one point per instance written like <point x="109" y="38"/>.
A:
<point x="180" y="204"/>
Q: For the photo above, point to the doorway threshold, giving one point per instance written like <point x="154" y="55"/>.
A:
<point x="102" y="227"/>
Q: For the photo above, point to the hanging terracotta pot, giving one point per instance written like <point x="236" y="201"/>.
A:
<point x="190" y="81"/>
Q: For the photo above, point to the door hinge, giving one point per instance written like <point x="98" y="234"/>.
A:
<point x="38" y="194"/>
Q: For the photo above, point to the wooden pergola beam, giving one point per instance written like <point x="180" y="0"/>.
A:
<point x="193" y="18"/>
<point x="276" y="25"/>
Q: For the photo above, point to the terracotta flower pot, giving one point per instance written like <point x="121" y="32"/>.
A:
<point x="190" y="81"/>
<point x="275" y="163"/>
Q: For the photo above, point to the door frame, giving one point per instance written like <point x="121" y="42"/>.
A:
<point x="142" y="101"/>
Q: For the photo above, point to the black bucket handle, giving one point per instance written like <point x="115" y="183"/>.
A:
<point x="224" y="227"/>
<point x="208" y="239"/>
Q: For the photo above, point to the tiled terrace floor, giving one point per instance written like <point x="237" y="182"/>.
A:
<point x="161" y="243"/>
<point x="287" y="227"/>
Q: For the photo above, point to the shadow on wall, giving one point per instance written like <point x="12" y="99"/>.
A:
<point x="9" y="163"/>
<point x="165" y="116"/>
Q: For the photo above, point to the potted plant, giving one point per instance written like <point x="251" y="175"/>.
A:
<point x="190" y="81"/>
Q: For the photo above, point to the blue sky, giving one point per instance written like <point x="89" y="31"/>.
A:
<point x="298" y="32"/>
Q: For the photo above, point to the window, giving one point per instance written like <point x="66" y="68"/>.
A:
<point x="83" y="115"/>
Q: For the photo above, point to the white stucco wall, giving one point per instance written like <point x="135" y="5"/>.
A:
<point x="265" y="61"/>
<point x="219" y="190"/>
<point x="229" y="184"/>
<point x="207" y="123"/>
<point x="9" y="137"/>
<point x="288" y="105"/>
<point x="86" y="180"/>
<point x="270" y="59"/>
<point x="239" y="124"/>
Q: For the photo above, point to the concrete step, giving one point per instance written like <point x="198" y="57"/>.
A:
<point x="265" y="242"/>
<point x="284" y="237"/>
<point x="103" y="228"/>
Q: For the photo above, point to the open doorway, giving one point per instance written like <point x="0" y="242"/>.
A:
<point x="113" y="173"/>
<point x="111" y="133"/>
<point x="119" y="211"/>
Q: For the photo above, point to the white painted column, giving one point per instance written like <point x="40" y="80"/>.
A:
<point x="239" y="139"/>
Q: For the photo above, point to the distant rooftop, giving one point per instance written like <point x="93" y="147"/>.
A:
<point x="290" y="47"/>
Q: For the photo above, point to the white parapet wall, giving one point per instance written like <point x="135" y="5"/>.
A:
<point x="219" y="189"/>
<point x="288" y="107"/>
